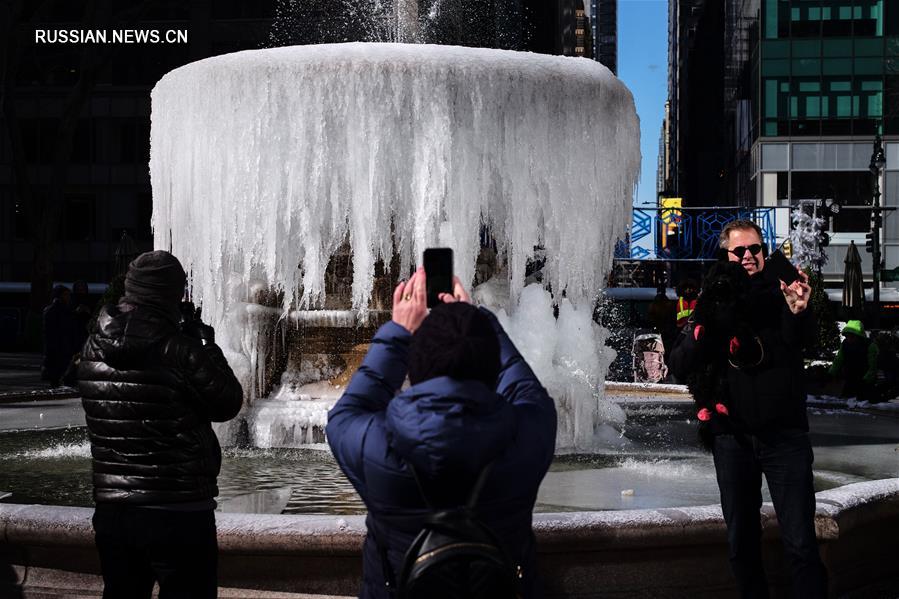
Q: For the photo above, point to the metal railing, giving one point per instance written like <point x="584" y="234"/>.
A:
<point x="689" y="234"/>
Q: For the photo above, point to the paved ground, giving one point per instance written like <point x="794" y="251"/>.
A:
<point x="20" y="380"/>
<point x="38" y="414"/>
<point x="20" y="372"/>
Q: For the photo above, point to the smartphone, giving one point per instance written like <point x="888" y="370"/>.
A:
<point x="777" y="265"/>
<point x="439" y="271"/>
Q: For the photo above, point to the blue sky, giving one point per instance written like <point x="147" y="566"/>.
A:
<point x="643" y="67"/>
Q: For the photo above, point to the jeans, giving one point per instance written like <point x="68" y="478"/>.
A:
<point x="138" y="546"/>
<point x="785" y="458"/>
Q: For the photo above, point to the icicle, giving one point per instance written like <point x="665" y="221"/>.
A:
<point x="262" y="161"/>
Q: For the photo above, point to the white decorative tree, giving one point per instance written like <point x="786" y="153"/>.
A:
<point x="805" y="239"/>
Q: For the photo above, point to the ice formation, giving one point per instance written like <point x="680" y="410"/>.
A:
<point x="569" y="356"/>
<point x="267" y="159"/>
<point x="263" y="163"/>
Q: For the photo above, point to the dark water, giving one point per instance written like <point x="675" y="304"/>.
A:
<point x="53" y="466"/>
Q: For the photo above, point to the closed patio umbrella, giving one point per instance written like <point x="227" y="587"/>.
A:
<point x="853" y="288"/>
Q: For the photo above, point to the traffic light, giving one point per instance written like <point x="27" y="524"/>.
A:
<point x="876" y="221"/>
<point x="869" y="242"/>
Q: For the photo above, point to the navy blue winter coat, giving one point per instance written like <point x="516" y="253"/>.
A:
<point x="448" y="430"/>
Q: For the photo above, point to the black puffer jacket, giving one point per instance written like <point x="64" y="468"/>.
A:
<point x="150" y="394"/>
<point x="770" y="395"/>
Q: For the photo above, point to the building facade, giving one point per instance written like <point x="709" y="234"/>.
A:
<point x="604" y="25"/>
<point x="826" y="80"/>
<point x="804" y="87"/>
<point x="695" y="102"/>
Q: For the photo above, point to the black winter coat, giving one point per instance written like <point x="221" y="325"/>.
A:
<point x="150" y="394"/>
<point x="771" y="395"/>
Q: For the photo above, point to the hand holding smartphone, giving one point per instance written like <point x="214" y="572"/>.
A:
<point x="778" y="266"/>
<point x="438" y="263"/>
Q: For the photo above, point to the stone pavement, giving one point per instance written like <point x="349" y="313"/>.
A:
<point x="45" y="413"/>
<point x="20" y="379"/>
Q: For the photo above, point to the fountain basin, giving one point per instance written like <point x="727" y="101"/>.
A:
<point x="653" y="463"/>
<point x="48" y="551"/>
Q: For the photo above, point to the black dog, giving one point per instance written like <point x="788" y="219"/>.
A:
<point x="721" y="326"/>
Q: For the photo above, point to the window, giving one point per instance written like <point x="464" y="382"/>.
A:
<point x="838" y="47"/>
<point x="849" y="188"/>
<point x="775" y="157"/>
<point x="868" y="47"/>
<point x="806" y="48"/>
<point x="80" y="217"/>
<point x="772" y="21"/>
<point x="776" y="49"/>
<point x="830" y="156"/>
<point x="776" y="103"/>
<point x="776" y="68"/>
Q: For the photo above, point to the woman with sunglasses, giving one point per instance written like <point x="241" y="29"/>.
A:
<point x="761" y="426"/>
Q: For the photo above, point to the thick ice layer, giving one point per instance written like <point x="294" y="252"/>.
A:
<point x="268" y="159"/>
<point x="569" y="356"/>
<point x="264" y="162"/>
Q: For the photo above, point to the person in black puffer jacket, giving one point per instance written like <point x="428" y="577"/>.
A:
<point x="748" y="334"/>
<point x="151" y="386"/>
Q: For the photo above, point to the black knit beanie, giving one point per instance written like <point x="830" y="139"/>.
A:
<point x="455" y="340"/>
<point x="156" y="279"/>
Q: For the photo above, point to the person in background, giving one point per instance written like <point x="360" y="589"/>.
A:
<point x="151" y="384"/>
<point x="856" y="362"/>
<point x="473" y="401"/>
<point x="687" y="293"/>
<point x="662" y="315"/>
<point x="58" y="326"/>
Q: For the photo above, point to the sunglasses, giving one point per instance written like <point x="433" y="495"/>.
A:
<point x="740" y="250"/>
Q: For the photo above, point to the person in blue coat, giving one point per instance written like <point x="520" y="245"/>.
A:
<point x="473" y="400"/>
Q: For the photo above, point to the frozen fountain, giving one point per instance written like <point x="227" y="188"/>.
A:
<point x="298" y="184"/>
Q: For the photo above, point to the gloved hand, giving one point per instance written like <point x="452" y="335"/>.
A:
<point x="708" y="428"/>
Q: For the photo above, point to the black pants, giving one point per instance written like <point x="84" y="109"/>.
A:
<point x="785" y="458"/>
<point x="138" y="546"/>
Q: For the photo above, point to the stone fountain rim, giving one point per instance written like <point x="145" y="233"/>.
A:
<point x="22" y="524"/>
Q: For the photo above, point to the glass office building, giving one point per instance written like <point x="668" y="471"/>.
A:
<point x="825" y="81"/>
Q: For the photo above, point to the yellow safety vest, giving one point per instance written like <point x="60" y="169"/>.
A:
<point x="684" y="310"/>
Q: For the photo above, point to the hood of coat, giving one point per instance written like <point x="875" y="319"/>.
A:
<point x="126" y="332"/>
<point x="446" y="427"/>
